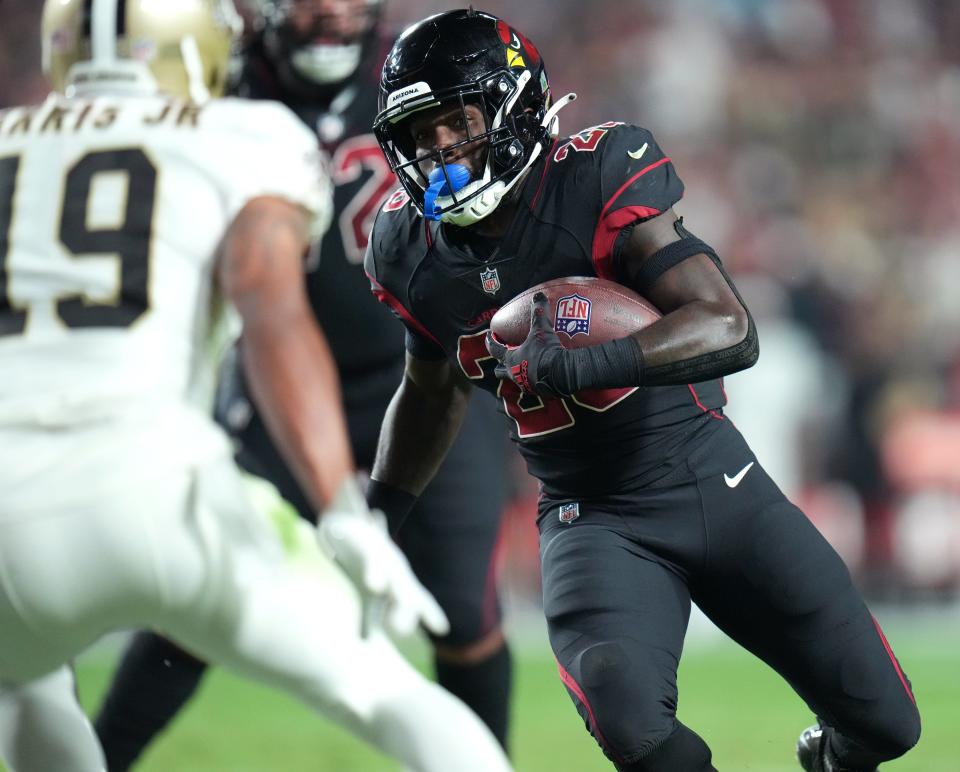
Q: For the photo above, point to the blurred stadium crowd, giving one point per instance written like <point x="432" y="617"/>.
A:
<point x="820" y="144"/>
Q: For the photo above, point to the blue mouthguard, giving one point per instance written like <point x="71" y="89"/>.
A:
<point x="459" y="176"/>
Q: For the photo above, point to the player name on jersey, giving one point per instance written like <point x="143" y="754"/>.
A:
<point x="67" y="117"/>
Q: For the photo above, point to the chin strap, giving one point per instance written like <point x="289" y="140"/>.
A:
<point x="193" y="64"/>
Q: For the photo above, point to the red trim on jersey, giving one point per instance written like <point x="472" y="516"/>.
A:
<point x="606" y="232"/>
<point x="610" y="225"/>
<point x="385" y="297"/>
<point x="427" y="233"/>
<point x="543" y="175"/>
<point x="893" y="659"/>
<point x="696" y="398"/>
<point x="574" y="687"/>
<point x="628" y="183"/>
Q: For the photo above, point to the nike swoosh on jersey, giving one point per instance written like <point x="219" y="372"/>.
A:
<point x="636" y="155"/>
<point x="733" y="482"/>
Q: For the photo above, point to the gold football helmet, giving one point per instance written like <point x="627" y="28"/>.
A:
<point x="179" y="47"/>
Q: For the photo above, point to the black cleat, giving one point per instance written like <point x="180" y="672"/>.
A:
<point x="814" y="755"/>
<point x="808" y="747"/>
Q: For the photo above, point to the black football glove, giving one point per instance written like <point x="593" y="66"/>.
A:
<point x="528" y="365"/>
<point x="541" y="365"/>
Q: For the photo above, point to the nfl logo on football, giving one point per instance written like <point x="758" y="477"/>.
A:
<point x="573" y="315"/>
<point x="490" y="280"/>
<point x="569" y="512"/>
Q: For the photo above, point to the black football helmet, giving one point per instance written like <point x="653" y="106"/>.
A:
<point x="317" y="45"/>
<point x="466" y="57"/>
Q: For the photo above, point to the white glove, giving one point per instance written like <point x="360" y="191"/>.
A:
<point x="356" y="538"/>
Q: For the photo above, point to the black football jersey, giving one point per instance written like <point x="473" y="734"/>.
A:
<point x="445" y="285"/>
<point x="363" y="336"/>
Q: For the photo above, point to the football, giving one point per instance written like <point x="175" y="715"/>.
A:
<point x="585" y="310"/>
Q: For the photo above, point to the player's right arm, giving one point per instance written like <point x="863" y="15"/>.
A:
<point x="420" y="425"/>
<point x="279" y="199"/>
<point x="293" y="379"/>
<point x="286" y="359"/>
<point x="706" y="331"/>
<point x="426" y="411"/>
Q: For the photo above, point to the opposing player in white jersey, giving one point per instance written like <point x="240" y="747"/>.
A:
<point x="128" y="201"/>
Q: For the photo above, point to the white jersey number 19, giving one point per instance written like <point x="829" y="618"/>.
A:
<point x="130" y="240"/>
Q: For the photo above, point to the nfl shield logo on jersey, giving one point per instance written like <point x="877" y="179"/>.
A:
<point x="573" y="315"/>
<point x="490" y="281"/>
<point x="569" y="512"/>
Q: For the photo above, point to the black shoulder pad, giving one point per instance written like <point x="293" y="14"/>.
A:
<point x="636" y="173"/>
<point x="637" y="182"/>
<point x="397" y="227"/>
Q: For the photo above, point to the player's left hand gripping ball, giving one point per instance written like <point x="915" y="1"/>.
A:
<point x="528" y="365"/>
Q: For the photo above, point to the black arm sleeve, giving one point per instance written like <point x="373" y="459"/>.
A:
<point x="620" y="364"/>
<point x="706" y="367"/>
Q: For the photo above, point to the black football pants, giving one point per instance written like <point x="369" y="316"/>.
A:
<point x="617" y="585"/>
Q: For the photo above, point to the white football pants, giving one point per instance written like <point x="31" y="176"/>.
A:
<point x="187" y="555"/>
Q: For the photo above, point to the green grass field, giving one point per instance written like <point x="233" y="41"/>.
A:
<point x="749" y="717"/>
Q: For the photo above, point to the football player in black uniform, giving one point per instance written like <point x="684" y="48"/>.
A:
<point x="650" y="497"/>
<point x="323" y="61"/>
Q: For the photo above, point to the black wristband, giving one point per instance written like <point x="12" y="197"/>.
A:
<point x="615" y="364"/>
<point x="394" y="502"/>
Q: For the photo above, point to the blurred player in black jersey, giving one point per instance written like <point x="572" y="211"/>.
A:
<point x="323" y="59"/>
<point x="650" y="498"/>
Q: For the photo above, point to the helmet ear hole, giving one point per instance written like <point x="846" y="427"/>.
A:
<point x="509" y="153"/>
<point x="498" y="88"/>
